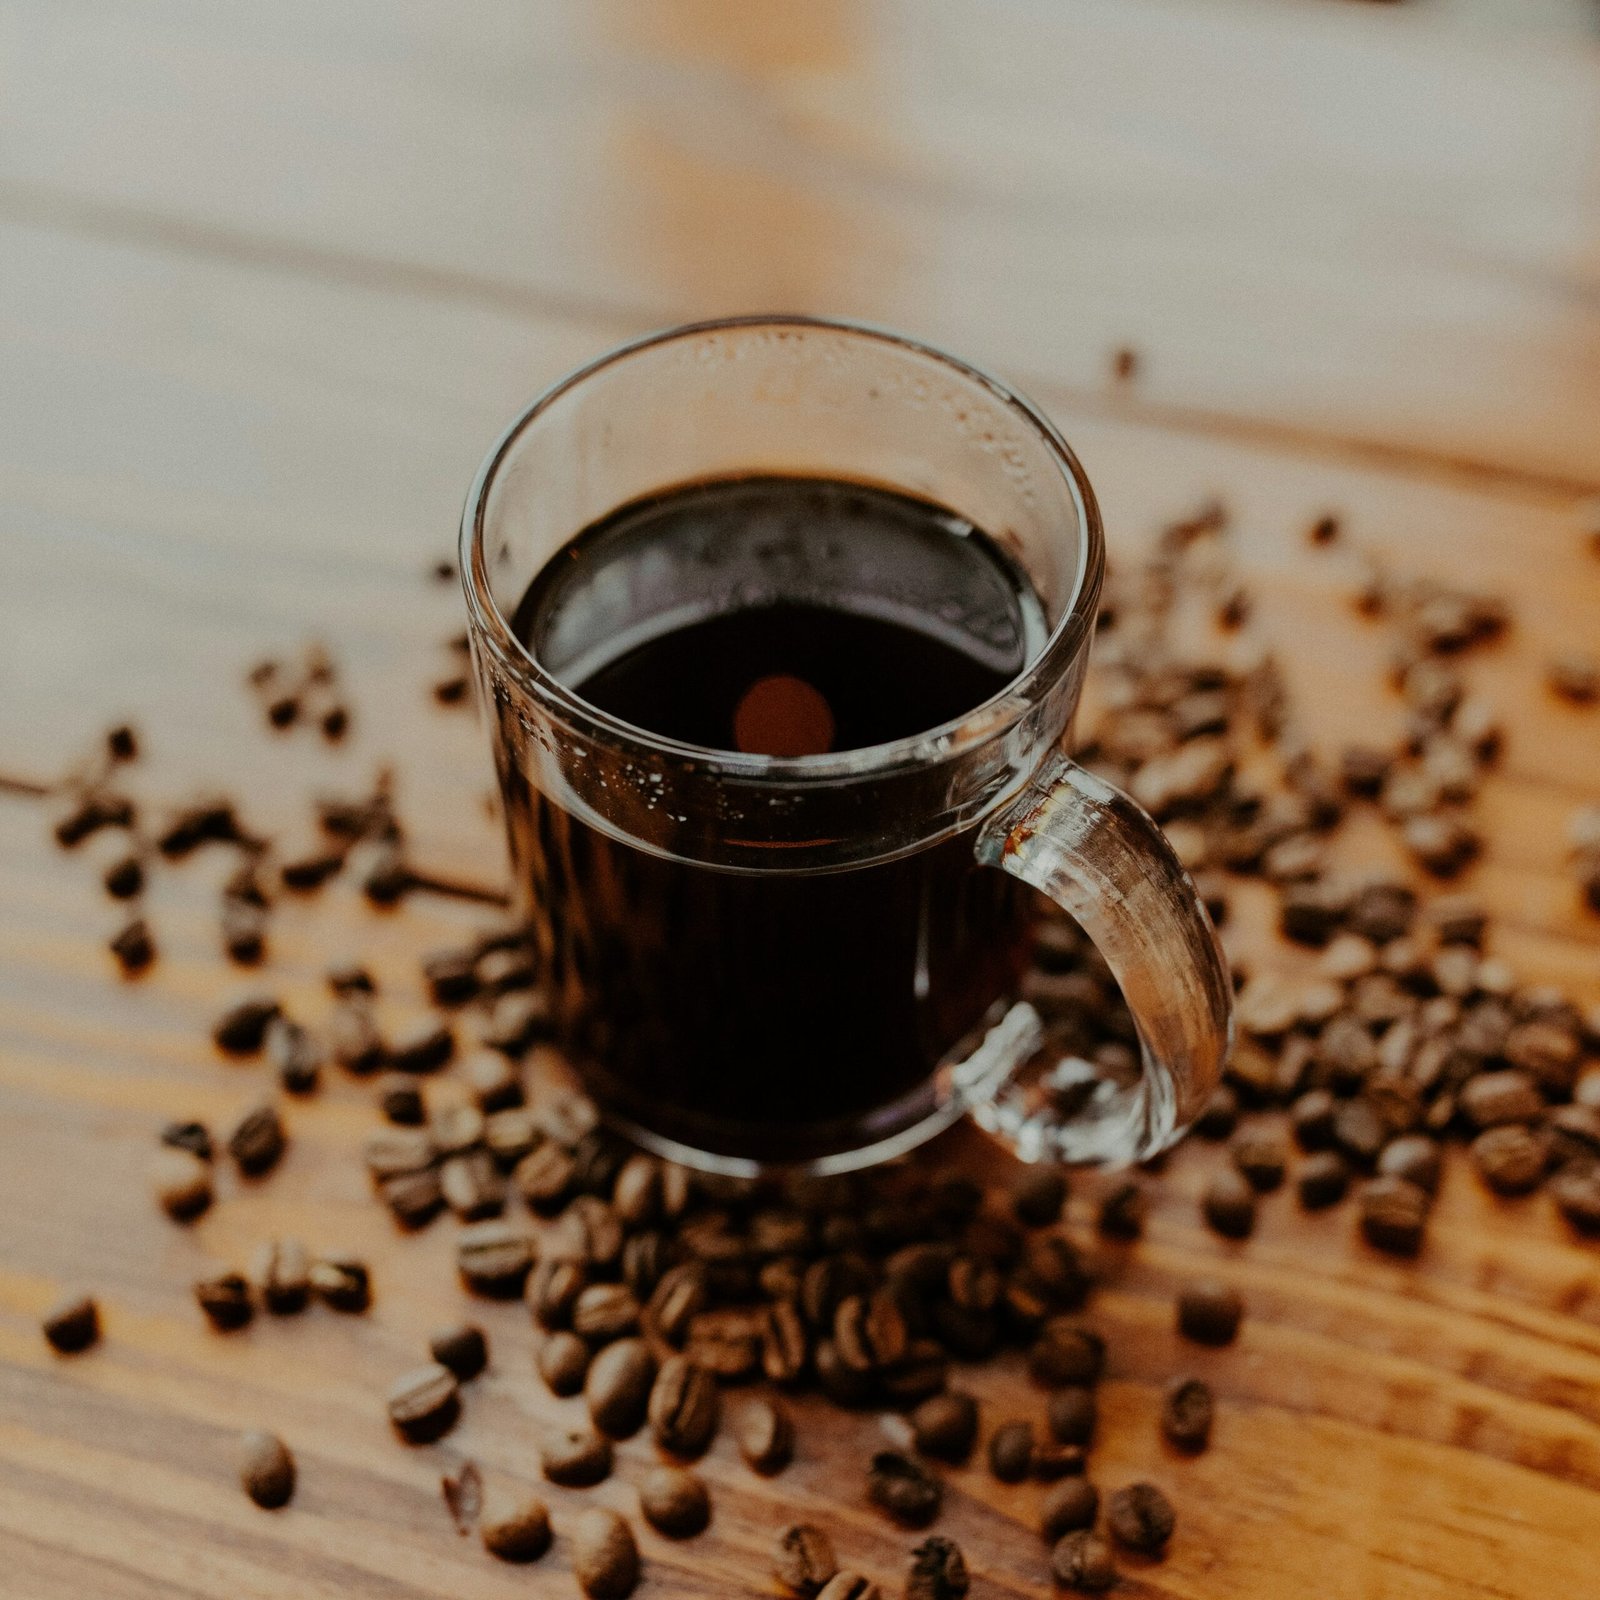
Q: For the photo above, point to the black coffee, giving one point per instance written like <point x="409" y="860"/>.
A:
<point x="777" y="1016"/>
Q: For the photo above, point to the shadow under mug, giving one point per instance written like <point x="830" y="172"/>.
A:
<point x="871" y="908"/>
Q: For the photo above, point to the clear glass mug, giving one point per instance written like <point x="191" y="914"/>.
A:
<point x="666" y="882"/>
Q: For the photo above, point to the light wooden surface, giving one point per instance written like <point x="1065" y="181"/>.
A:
<point x="270" y="279"/>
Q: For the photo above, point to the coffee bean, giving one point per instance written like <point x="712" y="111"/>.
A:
<point x="494" y="1258"/>
<point x="920" y="1373"/>
<point x="1360" y="1131"/>
<point x="266" y="1470"/>
<point x="423" y="1048"/>
<point x="194" y="1137"/>
<point x="869" y="1331"/>
<point x="463" y="1349"/>
<point x="844" y="1385"/>
<point x="684" y="1407"/>
<point x="938" y="1571"/>
<point x="226" y="1301"/>
<point x="1322" y="1180"/>
<point x="1228" y="1204"/>
<point x="1082" y="1561"/>
<point x="727" y="1353"/>
<point x="1069" y="1506"/>
<point x="281" y="1271"/>
<point x="552" y="1291"/>
<point x="1073" y="1414"/>
<point x="413" y="1198"/>
<point x="1011" y="1451"/>
<point x="456" y="1129"/>
<point x="850" y="1586"/>
<point x="1491" y="1099"/>
<point x="1312" y="1119"/>
<point x="785" y="1349"/>
<point x="803" y="1560"/>
<point x="1209" y="1312"/>
<point x="353" y="1037"/>
<point x="563" y="1363"/>
<point x="1394" y="1215"/>
<point x="514" y="1525"/>
<point x="1039" y="1194"/>
<point x="257" y="1141"/>
<point x="335" y="723"/>
<point x="451" y="976"/>
<point x="674" y="1502"/>
<point x="509" y="1135"/>
<point x="294" y="1055"/>
<point x="1510" y="1159"/>
<point x="764" y="1433"/>
<point x="1574" y="677"/>
<point x="904" y="1488"/>
<point x="472" y="1186"/>
<point x="605" y="1311"/>
<point x="578" y="1458"/>
<point x="181" y="1182"/>
<point x="400" y="1101"/>
<point x="72" y="1325"/>
<point x="492" y="1081"/>
<point x="544" y="1177"/>
<point x="424" y="1403"/>
<point x="605" y="1559"/>
<point x="1186" y="1414"/>
<point x="242" y="1029"/>
<point x="134" y="947"/>
<point x="244" y="932"/>
<point x="1052" y="1461"/>
<point x="1141" y="1517"/>
<point x="617" y="1387"/>
<point x="1415" y="1158"/>
<point x="1122" y="1210"/>
<point x="1052" y="1266"/>
<point x="636" y="1191"/>
<point x="1261" y="1160"/>
<point x="124" y="879"/>
<point x="1066" y="1353"/>
<point x="341" y="1284"/>
<point x="1577" y="1197"/>
<point x="1220" y="1114"/>
<point x="946" y="1426"/>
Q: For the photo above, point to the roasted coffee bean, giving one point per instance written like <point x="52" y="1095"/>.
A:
<point x="869" y="1331"/>
<point x="244" y="933"/>
<point x="400" y="1101"/>
<point x="590" y="1231"/>
<point x="617" y="1387"/>
<point x="576" y="1458"/>
<point x="463" y="1349"/>
<point x="335" y="723"/>
<point x="828" y="1281"/>
<point x="72" y="1325"/>
<point x="946" y="1426"/>
<point x="938" y="1571"/>
<point x="242" y="1029"/>
<point x="451" y="976"/>
<point x="226" y="1301"/>
<point x="1073" y="1414"/>
<point x="675" y="1502"/>
<point x="636" y="1190"/>
<point x="294" y="1055"/>
<point x="605" y="1311"/>
<point x="124" y="879"/>
<point x="1261" y="1159"/>
<point x="494" y="1258"/>
<point x="281" y="1270"/>
<point x="353" y="1037"/>
<point x="973" y="1284"/>
<point x="850" y="1586"/>
<point x="514" y="1525"/>
<point x="182" y="1183"/>
<point x="1039" y="1194"/>
<point x="1491" y="1099"/>
<point x="257" y="1141"/>
<point x="553" y="1290"/>
<point x="1577" y="1197"/>
<point x="1220" y="1114"/>
<point x="424" y="1403"/>
<point x="1209" y="1312"/>
<point x="1082" y="1561"/>
<point x="1323" y="1180"/>
<point x="1052" y="1461"/>
<point x="727" y="1353"/>
<point x="510" y="1135"/>
<point x="563" y="1362"/>
<point x="266" y="1470"/>
<point x="1069" y="1506"/>
<point x="544" y="1177"/>
<point x="803" y="1560"/>
<point x="413" y="1198"/>
<point x="1360" y="1131"/>
<point x="1228" y="1204"/>
<point x="1394" y="1215"/>
<point x="1122" y="1210"/>
<point x="764" y="1433"/>
<point x="421" y="1049"/>
<point x="1066" y="1353"/>
<point x="1415" y="1158"/>
<point x="1011" y="1451"/>
<point x="194" y="1137"/>
<point x="844" y="1385"/>
<point x="341" y="1284"/>
<point x="920" y="1373"/>
<point x="1141" y="1517"/>
<point x="1312" y="1118"/>
<point x="1051" y="1266"/>
<point x="456" y="1129"/>
<point x="684" y="1407"/>
<point x="1186" y="1414"/>
<point x="472" y="1186"/>
<point x="645" y="1257"/>
<point x="1510" y="1159"/>
<point x="210" y="821"/>
<point x="785" y="1349"/>
<point x="605" y="1558"/>
<point x="904" y="1488"/>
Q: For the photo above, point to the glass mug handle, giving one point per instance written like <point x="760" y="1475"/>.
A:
<point x="1104" y="861"/>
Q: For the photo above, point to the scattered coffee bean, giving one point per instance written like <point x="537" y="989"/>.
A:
<point x="903" y="1487"/>
<point x="1082" y="1560"/>
<point x="1141" y="1517"/>
<point x="1039" y="1194"/>
<point x="1011" y="1451"/>
<point x="1186" y="1414"/>
<point x="463" y="1349"/>
<point x="194" y="1137"/>
<point x="182" y="1183"/>
<point x="472" y="1186"/>
<point x="674" y="1501"/>
<point x="1122" y="1210"/>
<point x="226" y="1301"/>
<point x="1414" y="1157"/>
<point x="1220" y="1114"/>
<point x="514" y="1525"/>
<point x="563" y="1363"/>
<point x="605" y="1558"/>
<point x="605" y="1311"/>
<point x="1066" y="1353"/>
<point x="353" y="1037"/>
<point x="1323" y="1180"/>
<point x="785" y="1348"/>
<point x="451" y="976"/>
<point x="423" y="1048"/>
<point x="618" y="1385"/>
<point x="124" y="879"/>
<point x="294" y="1055"/>
<point x="946" y="1426"/>
<point x="242" y="1029"/>
<point x="1229" y="1204"/>
<point x="764" y="1433"/>
<point x="552" y="1291"/>
<point x="1491" y="1099"/>
<point x="938" y="1571"/>
<point x="494" y="1258"/>
<point x="577" y="1458"/>
<point x="400" y="1101"/>
<point x="803" y="1560"/>
<point x="1052" y="1461"/>
<point x="134" y="948"/>
<point x="1394" y="1215"/>
<point x="341" y="1284"/>
<point x="266" y="1470"/>
<point x="1210" y="1312"/>
<point x="544" y="1176"/>
<point x="1260" y="1159"/>
<point x="1577" y="1197"/>
<point x="495" y="1085"/>
<point x="1510" y="1159"/>
<point x="257" y="1141"/>
<point x="684" y="1407"/>
<point x="281" y="1271"/>
<point x="72" y="1325"/>
<point x="869" y="1331"/>
<point x="1073" y="1414"/>
<point x="424" y="1403"/>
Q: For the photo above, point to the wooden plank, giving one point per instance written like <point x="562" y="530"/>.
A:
<point x="1338" y="220"/>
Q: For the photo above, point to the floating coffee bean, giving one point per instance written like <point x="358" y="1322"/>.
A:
<point x="576" y="1458"/>
<point x="1229" y="1204"/>
<point x="341" y="1284"/>
<point x="281" y="1272"/>
<point x="242" y="1029"/>
<point x="563" y="1362"/>
<point x="1073" y="1414"/>
<point x="1209" y="1312"/>
<point x="605" y="1559"/>
<point x="938" y="1571"/>
<point x="946" y="1426"/>
<point x="904" y="1488"/>
<point x="1322" y="1180"/>
<point x="618" y="1387"/>
<point x="257" y="1141"/>
<point x="1186" y="1414"/>
<point x="182" y="1183"/>
<point x="1122" y="1210"/>
<point x="463" y="1349"/>
<point x="1011" y="1452"/>
<point x="674" y="1502"/>
<point x="803" y="1560"/>
<point x="1141" y="1517"/>
<point x="1510" y="1159"/>
<point x="1066" y="1353"/>
<point x="424" y="1403"/>
<point x="494" y="1258"/>
<point x="266" y="1470"/>
<point x="72" y="1325"/>
<point x="514" y="1525"/>
<point x="1069" y="1506"/>
<point x="684" y="1407"/>
<point x="1082" y="1561"/>
<point x="226" y="1301"/>
<point x="764" y="1433"/>
<point x="1039" y="1194"/>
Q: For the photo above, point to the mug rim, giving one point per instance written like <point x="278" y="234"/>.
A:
<point x="977" y="725"/>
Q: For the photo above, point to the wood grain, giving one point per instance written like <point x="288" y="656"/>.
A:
<point x="244" y="385"/>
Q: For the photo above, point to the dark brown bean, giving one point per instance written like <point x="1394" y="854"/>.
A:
<point x="552" y="1291"/>
<point x="1069" y="1506"/>
<point x="1209" y="1312"/>
<point x="785" y="1349"/>
<point x="1229" y="1204"/>
<point x="675" y="1502"/>
<point x="472" y="1186"/>
<point x="194" y="1137"/>
<point x="869" y="1331"/>
<point x="463" y="1349"/>
<point x="424" y="1403"/>
<point x="605" y="1311"/>
<point x="182" y="1183"/>
<point x="576" y="1458"/>
<point x="266" y="1470"/>
<point x="544" y="1176"/>
<point x="1073" y="1414"/>
<point x="423" y="1048"/>
<point x="684" y="1407"/>
<point x="1414" y="1157"/>
<point x="563" y="1362"/>
<point x="514" y="1525"/>
<point x="904" y="1488"/>
<point x="494" y="1258"/>
<point x="1510" y="1159"/>
<point x="1260" y="1159"/>
<point x="803" y="1559"/>
<point x="1052" y="1461"/>
<point x="1322" y="1180"/>
<point x="617" y="1387"/>
<point x="242" y="1029"/>
<point x="1122" y="1210"/>
<point x="938" y="1571"/>
<point x="1141" y="1517"/>
<point x="1039" y="1194"/>
<point x="72" y="1325"/>
<point x="226" y="1301"/>
<point x="400" y="1101"/>
<point x="764" y="1433"/>
<point x="605" y="1558"/>
<point x="341" y="1284"/>
<point x="946" y="1426"/>
<point x="281" y="1270"/>
<point x="413" y="1198"/>
<point x="1011" y="1451"/>
<point x="1491" y="1099"/>
<point x="1066" y="1353"/>
<point x="1577" y="1197"/>
<point x="257" y="1141"/>
<point x="1186" y="1413"/>
<point x="1082" y="1561"/>
<point x="353" y="1037"/>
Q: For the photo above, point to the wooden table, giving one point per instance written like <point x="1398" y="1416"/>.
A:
<point x="271" y="276"/>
